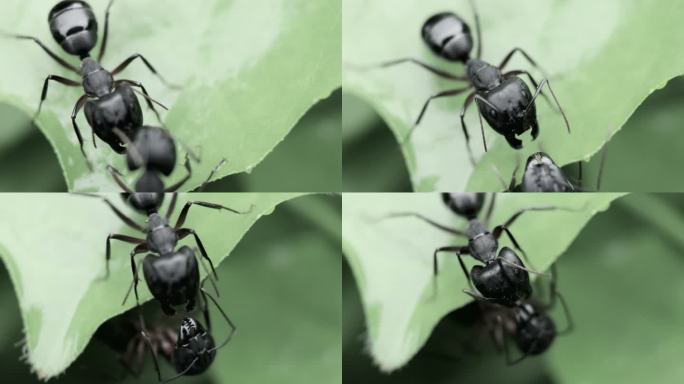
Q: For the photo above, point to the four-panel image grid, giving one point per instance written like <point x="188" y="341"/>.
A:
<point x="342" y="191"/>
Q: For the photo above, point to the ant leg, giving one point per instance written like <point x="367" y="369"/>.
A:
<point x="212" y="173"/>
<point x="207" y="273"/>
<point x="130" y="287"/>
<point x="435" y="224"/>
<point x="497" y="233"/>
<point x="433" y="70"/>
<point x="186" y="209"/>
<point x="154" y="354"/>
<point x="466" y="104"/>
<point x="184" y="232"/>
<point x="175" y="187"/>
<point x="478" y="29"/>
<point x="232" y="326"/>
<point x="105" y="35"/>
<point x="181" y="374"/>
<point x="149" y="100"/>
<point x="149" y="66"/>
<point x="555" y="99"/>
<point x="510" y="54"/>
<point x="490" y="105"/>
<point x="117" y="176"/>
<point x="47" y="50"/>
<point x="108" y="249"/>
<point x="46" y="84"/>
<point x="130" y="222"/>
<point x="140" y="248"/>
<point x="516" y="215"/>
<point x="477" y="296"/>
<point x="77" y="108"/>
<point x="570" y="325"/>
<point x="534" y="83"/>
<point x="172" y="206"/>
<point x="448" y="93"/>
<point x="459" y="252"/>
<point x="516" y="266"/>
<point x="490" y="210"/>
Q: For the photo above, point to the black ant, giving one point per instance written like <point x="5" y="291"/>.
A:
<point x="527" y="322"/>
<point x="108" y="103"/>
<point x="191" y="349"/>
<point x="542" y="174"/>
<point x="504" y="99"/>
<point x="503" y="279"/>
<point x="172" y="276"/>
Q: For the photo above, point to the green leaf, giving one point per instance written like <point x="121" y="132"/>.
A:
<point x="392" y="259"/>
<point x="55" y="261"/>
<point x="580" y="44"/>
<point x="249" y="72"/>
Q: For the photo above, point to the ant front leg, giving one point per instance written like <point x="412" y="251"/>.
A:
<point x="47" y="50"/>
<point x="212" y="173"/>
<point x="459" y="250"/>
<point x="502" y="228"/>
<point x="184" y="212"/>
<point x="149" y="66"/>
<point x="118" y="179"/>
<point x="448" y="93"/>
<point x="77" y="108"/>
<point x="126" y="219"/>
<point x="555" y="99"/>
<point x="429" y="221"/>
<point x="515" y="50"/>
<point x="125" y="239"/>
<point x="466" y="104"/>
<point x="183" y="233"/>
<point x="105" y="36"/>
<point x="46" y="85"/>
<point x="490" y="210"/>
<point x="428" y="67"/>
<point x="534" y="82"/>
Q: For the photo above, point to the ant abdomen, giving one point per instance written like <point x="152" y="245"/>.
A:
<point x="448" y="36"/>
<point x="74" y="26"/>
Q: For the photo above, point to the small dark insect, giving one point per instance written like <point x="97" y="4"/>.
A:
<point x="111" y="106"/>
<point x="526" y="322"/>
<point x="172" y="275"/>
<point x="503" y="279"/>
<point x="502" y="98"/>
<point x="542" y="174"/>
<point x="191" y="350"/>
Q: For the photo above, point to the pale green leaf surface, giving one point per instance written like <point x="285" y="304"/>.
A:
<point x="249" y="71"/>
<point x="391" y="259"/>
<point x="54" y="248"/>
<point x="604" y="58"/>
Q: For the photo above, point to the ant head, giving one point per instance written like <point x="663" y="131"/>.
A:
<point x="467" y="205"/>
<point x="74" y="26"/>
<point x="195" y="350"/>
<point x="448" y="36"/>
<point x="483" y="75"/>
<point x="156" y="148"/>
<point x="535" y="331"/>
<point x="543" y="175"/>
<point x="145" y="202"/>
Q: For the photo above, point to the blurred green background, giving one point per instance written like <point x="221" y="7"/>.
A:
<point x="642" y="157"/>
<point x="282" y="287"/>
<point x="308" y="160"/>
<point x="622" y="280"/>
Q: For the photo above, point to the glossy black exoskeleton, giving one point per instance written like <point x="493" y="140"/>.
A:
<point x="503" y="277"/>
<point x="503" y="98"/>
<point x="191" y="349"/>
<point x="526" y="322"/>
<point x="171" y="274"/>
<point x="111" y="106"/>
<point x="542" y="174"/>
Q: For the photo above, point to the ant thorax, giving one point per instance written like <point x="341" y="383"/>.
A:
<point x="97" y="82"/>
<point x="482" y="244"/>
<point x="483" y="75"/>
<point x="161" y="237"/>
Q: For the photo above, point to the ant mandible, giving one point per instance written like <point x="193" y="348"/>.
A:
<point x="502" y="98"/>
